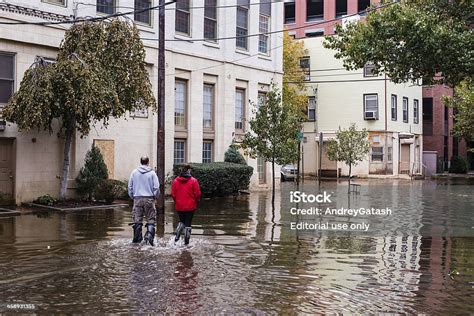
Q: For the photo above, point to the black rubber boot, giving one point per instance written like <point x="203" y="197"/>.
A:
<point x="187" y="235"/>
<point x="137" y="232"/>
<point x="179" y="231"/>
<point x="150" y="234"/>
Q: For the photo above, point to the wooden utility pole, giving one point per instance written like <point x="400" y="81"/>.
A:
<point x="161" y="106"/>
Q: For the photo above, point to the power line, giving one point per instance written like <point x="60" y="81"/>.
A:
<point x="93" y="19"/>
<point x="222" y="63"/>
<point x="332" y="81"/>
<point x="191" y="8"/>
<point x="275" y="32"/>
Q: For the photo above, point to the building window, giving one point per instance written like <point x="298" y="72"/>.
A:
<point x="145" y="16"/>
<point x="207" y="151"/>
<point x="262" y="98"/>
<point x="363" y="5"/>
<point x="210" y="20"/>
<point x="139" y="113"/>
<point x="7" y="76"/>
<point x="179" y="151"/>
<point x="377" y="154"/>
<point x="290" y="13"/>
<point x="242" y="26"/>
<point x="341" y="8"/>
<point x="306" y="67"/>
<point x="314" y="10"/>
<point x="264" y="37"/>
<point x="311" y="109"/>
<point x="239" y="109"/>
<point x="428" y="116"/>
<point x="57" y="2"/>
<point x="389" y="154"/>
<point x="181" y="100"/>
<point x="405" y="110"/>
<point x="208" y="106"/>
<point x="106" y="6"/>
<point x="371" y="107"/>
<point x="416" y="110"/>
<point x="369" y="70"/>
<point x="182" y="17"/>
<point x="394" y="107"/>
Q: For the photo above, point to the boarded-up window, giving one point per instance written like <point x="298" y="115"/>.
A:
<point x="107" y="149"/>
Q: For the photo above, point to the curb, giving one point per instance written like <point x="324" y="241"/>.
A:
<point x="83" y="208"/>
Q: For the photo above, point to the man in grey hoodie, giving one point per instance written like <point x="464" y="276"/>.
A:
<point x="143" y="188"/>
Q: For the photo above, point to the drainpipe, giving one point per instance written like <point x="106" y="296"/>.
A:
<point x="386" y="123"/>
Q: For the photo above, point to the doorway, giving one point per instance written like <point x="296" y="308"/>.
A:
<point x="6" y="171"/>
<point x="405" y="159"/>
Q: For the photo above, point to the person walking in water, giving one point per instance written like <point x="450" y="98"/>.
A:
<point x="143" y="188"/>
<point x="186" y="193"/>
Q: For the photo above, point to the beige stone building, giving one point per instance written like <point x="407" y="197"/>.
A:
<point x="337" y="98"/>
<point x="209" y="86"/>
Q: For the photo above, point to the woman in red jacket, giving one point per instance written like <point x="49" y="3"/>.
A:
<point x="185" y="192"/>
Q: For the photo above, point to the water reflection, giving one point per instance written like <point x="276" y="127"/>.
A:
<point x="243" y="258"/>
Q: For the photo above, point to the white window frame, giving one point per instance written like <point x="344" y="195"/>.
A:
<point x="264" y="37"/>
<point x="207" y="151"/>
<point x="178" y="118"/>
<point x="240" y="115"/>
<point x="242" y="37"/>
<point x="305" y="65"/>
<point x="394" y="107"/>
<point x="114" y="4"/>
<point x="212" y="20"/>
<point x="210" y="105"/>
<point x="311" y="107"/>
<point x="379" y="154"/>
<point x="184" y="11"/>
<point x="405" y="110"/>
<point x="150" y="14"/>
<point x="183" y="150"/>
<point x="416" y="111"/>
<point x="13" y="79"/>
<point x="371" y="110"/>
<point x="368" y="70"/>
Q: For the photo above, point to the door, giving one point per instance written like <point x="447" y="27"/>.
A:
<point x="6" y="170"/>
<point x="405" y="159"/>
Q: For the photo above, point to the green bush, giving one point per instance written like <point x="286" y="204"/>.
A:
<point x="219" y="178"/>
<point x="458" y="165"/>
<point x="110" y="190"/>
<point x="233" y="155"/>
<point x="45" y="200"/>
<point x="92" y="174"/>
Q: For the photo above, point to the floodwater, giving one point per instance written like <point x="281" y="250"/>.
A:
<point x="245" y="258"/>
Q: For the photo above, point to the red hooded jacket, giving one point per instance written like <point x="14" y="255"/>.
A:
<point x="185" y="192"/>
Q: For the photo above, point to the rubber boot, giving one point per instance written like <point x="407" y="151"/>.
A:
<point x="150" y="234"/>
<point x="179" y="231"/>
<point x="187" y="235"/>
<point x="137" y="232"/>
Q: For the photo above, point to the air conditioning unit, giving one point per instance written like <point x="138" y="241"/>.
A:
<point x="370" y="115"/>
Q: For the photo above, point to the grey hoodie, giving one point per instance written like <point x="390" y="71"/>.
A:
<point x="143" y="183"/>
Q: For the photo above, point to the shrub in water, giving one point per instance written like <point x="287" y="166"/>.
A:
<point x="219" y="178"/>
<point x="458" y="165"/>
<point x="45" y="200"/>
<point x="110" y="190"/>
<point x="233" y="155"/>
<point x="92" y="174"/>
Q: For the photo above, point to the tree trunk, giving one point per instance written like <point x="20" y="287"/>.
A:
<point x="273" y="182"/>
<point x="349" y="181"/>
<point x="67" y="152"/>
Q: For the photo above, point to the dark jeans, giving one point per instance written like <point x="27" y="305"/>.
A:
<point x="186" y="217"/>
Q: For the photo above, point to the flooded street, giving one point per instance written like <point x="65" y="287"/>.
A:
<point x="244" y="258"/>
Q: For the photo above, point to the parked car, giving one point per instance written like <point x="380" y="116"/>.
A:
<point x="288" y="172"/>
